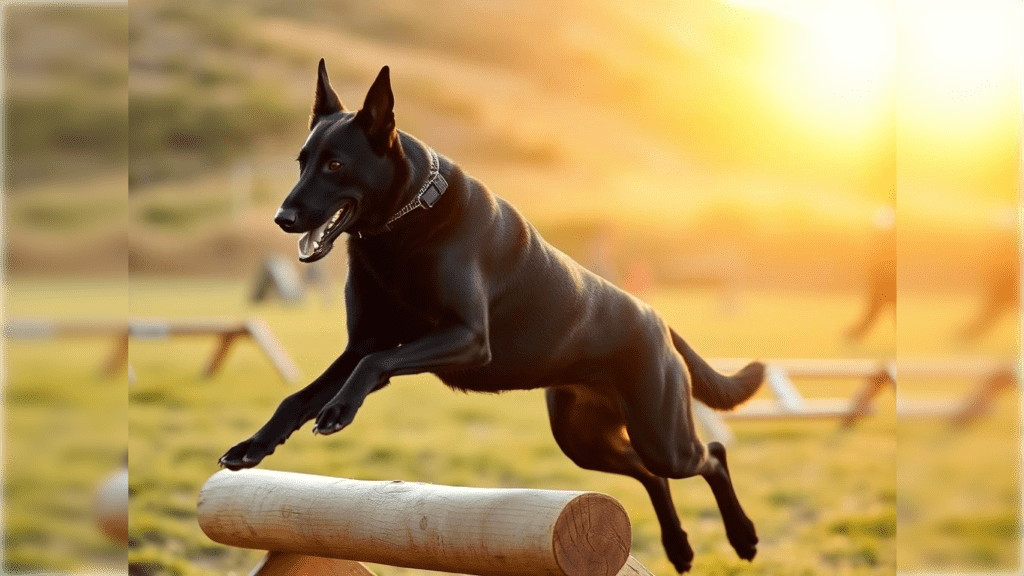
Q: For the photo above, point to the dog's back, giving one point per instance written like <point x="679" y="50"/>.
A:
<point x="551" y="320"/>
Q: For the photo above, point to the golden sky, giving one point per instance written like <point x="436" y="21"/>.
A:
<point x="945" y="76"/>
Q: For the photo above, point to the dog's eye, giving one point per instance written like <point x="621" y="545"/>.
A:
<point x="334" y="165"/>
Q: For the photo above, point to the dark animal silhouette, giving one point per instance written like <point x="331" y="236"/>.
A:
<point x="445" y="277"/>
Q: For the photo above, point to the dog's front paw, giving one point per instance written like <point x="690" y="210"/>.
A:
<point x="334" y="417"/>
<point x="246" y="454"/>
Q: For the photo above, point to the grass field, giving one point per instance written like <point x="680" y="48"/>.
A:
<point x="824" y="501"/>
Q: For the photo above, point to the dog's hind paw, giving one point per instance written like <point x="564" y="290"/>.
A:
<point x="679" y="552"/>
<point x="744" y="540"/>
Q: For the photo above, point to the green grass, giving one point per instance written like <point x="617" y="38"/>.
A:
<point x="824" y="500"/>
<point x="64" y="426"/>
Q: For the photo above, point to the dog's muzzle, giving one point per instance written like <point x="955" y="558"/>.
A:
<point x="316" y="243"/>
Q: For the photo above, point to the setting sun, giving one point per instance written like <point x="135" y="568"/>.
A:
<point x="836" y="71"/>
<point x="944" y="76"/>
<point x="960" y="63"/>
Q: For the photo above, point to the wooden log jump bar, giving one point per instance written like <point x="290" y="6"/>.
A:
<point x="487" y="532"/>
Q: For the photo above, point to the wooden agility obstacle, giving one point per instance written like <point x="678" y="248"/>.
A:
<point x="993" y="376"/>
<point x="996" y="375"/>
<point x="227" y="332"/>
<point x="321" y="525"/>
<point x="52" y="329"/>
<point x="279" y="277"/>
<point x="788" y="403"/>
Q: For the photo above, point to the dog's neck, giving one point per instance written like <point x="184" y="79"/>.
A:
<point x="432" y="186"/>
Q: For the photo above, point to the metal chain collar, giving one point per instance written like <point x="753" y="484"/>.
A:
<point x="428" y="195"/>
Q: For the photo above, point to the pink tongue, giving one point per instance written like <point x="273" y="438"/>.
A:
<point x="306" y="242"/>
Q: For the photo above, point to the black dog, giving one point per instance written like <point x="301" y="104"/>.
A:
<point x="445" y="277"/>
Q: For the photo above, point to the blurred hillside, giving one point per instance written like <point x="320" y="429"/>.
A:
<point x="215" y="80"/>
<point x="665" y="128"/>
<point x="64" y="93"/>
<point x="649" y="121"/>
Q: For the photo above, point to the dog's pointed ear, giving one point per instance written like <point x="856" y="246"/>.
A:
<point x="377" y="116"/>
<point x="325" y="100"/>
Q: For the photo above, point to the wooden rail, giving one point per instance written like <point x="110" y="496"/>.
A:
<point x="227" y="331"/>
<point x="995" y="374"/>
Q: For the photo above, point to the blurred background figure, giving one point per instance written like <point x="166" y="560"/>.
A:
<point x="959" y="90"/>
<point x="881" y="274"/>
<point x="999" y="289"/>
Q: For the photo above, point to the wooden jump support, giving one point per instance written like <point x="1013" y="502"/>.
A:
<point x="994" y="376"/>
<point x="227" y="331"/>
<point x="327" y="526"/>
<point x="789" y="403"/>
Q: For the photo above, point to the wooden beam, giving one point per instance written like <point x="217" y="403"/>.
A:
<point x="488" y="532"/>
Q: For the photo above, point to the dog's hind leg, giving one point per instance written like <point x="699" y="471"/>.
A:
<point x="738" y="527"/>
<point x="660" y="424"/>
<point x="590" y="429"/>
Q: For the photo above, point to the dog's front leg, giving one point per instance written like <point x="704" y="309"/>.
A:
<point x="454" y="347"/>
<point x="294" y="411"/>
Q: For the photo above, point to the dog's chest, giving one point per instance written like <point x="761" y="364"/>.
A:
<point x="398" y="281"/>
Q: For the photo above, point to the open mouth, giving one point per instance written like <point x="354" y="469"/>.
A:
<point x="316" y="243"/>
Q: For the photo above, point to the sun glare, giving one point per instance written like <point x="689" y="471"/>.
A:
<point x="838" y="66"/>
<point x="960" y="62"/>
<point x="953" y="65"/>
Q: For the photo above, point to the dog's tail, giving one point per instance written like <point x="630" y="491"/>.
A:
<point x="716" y="390"/>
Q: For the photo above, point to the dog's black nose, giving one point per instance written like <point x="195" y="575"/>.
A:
<point x="286" y="218"/>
